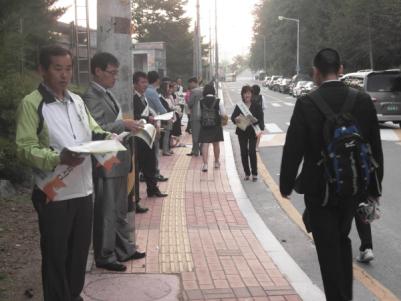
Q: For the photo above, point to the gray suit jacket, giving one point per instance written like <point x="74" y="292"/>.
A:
<point x="103" y="111"/>
<point x="194" y="103"/>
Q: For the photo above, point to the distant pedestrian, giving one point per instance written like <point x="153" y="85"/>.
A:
<point x="211" y="131"/>
<point x="258" y="99"/>
<point x="49" y="120"/>
<point x="144" y="155"/>
<point x="153" y="98"/>
<point x="166" y="101"/>
<point x="331" y="190"/>
<point x="365" y="235"/>
<point x="247" y="137"/>
<point x="194" y="106"/>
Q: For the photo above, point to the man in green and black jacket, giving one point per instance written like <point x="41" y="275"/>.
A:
<point x="49" y="120"/>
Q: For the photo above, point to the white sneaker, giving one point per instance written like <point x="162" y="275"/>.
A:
<point x="204" y="167"/>
<point x="365" y="256"/>
<point x="216" y="164"/>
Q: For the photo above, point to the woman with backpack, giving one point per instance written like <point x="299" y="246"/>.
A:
<point x="211" y="131"/>
<point x="248" y="131"/>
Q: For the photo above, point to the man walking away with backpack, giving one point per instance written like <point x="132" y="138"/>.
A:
<point x="335" y="132"/>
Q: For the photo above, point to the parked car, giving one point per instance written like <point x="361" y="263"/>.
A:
<point x="384" y="87"/>
<point x="272" y="81"/>
<point x="307" y="87"/>
<point x="276" y="84"/>
<point x="260" y="75"/>
<point x="295" y="79"/>
<point x="267" y="79"/>
<point x="296" y="91"/>
<point x="285" y="85"/>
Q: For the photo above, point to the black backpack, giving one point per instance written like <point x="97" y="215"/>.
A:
<point x="208" y="114"/>
<point x="347" y="158"/>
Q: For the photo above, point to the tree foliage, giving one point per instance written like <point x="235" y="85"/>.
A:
<point x="355" y="27"/>
<point x="155" y="21"/>
<point x="25" y="25"/>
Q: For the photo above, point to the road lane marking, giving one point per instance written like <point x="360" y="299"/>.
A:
<point x="389" y="135"/>
<point x="373" y="285"/>
<point x="290" y="104"/>
<point x="275" y="104"/>
<point x="273" y="128"/>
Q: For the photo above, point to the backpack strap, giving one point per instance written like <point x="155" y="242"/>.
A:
<point x="321" y="104"/>
<point x="349" y="101"/>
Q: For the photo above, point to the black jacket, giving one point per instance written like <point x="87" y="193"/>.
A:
<point x="257" y="112"/>
<point x="304" y="139"/>
<point x="139" y="107"/>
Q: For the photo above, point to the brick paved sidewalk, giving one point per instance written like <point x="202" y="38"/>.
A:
<point x="199" y="232"/>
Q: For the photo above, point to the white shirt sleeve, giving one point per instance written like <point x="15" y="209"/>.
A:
<point x="221" y="108"/>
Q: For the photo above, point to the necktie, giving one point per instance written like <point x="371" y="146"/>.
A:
<point x="116" y="109"/>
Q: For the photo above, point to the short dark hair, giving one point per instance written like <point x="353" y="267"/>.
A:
<point x="208" y="89"/>
<point x="137" y="75"/>
<point x="101" y="60"/>
<point x="246" y="88"/>
<point x="153" y="76"/>
<point x="193" y="80"/>
<point x="255" y="89"/>
<point x="327" y="61"/>
<point x="47" y="52"/>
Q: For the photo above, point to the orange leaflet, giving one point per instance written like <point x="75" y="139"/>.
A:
<point x="50" y="188"/>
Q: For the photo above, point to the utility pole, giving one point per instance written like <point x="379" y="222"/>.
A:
<point x="210" y="45"/>
<point x="216" y="49"/>
<point x="370" y="42"/>
<point x="198" y="43"/>
<point x="114" y="36"/>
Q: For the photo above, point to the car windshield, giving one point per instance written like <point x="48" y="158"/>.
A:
<point x="384" y="82"/>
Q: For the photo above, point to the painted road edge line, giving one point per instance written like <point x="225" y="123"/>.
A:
<point x="302" y="284"/>
<point x="371" y="284"/>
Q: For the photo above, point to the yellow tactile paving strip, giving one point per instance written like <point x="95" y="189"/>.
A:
<point x="175" y="252"/>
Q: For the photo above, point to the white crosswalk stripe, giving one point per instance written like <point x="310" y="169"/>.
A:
<point x="276" y="104"/>
<point x="290" y="104"/>
<point x="273" y="128"/>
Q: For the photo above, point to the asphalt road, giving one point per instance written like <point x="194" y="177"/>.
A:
<point x="386" y="268"/>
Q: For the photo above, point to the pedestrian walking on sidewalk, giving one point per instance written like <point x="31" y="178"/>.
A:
<point x="111" y="239"/>
<point x="259" y="99"/>
<point x="50" y="119"/>
<point x="212" y="110"/>
<point x="332" y="111"/>
<point x="194" y="106"/>
<point x="247" y="137"/>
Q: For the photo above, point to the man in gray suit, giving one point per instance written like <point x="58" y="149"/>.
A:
<point x="194" y="106"/>
<point x="110" y="229"/>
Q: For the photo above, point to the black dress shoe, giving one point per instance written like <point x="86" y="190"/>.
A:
<point x="113" y="266"/>
<point x="136" y="255"/>
<point x="156" y="193"/>
<point x="161" y="178"/>
<point x="140" y="209"/>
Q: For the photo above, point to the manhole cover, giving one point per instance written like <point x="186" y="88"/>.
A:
<point x="131" y="287"/>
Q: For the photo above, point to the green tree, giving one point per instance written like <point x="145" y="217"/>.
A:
<point x="357" y="28"/>
<point x="156" y="20"/>
<point x="25" y="25"/>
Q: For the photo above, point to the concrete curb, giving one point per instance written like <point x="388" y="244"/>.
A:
<point x="302" y="284"/>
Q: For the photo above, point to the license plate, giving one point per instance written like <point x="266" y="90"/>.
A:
<point x="392" y="108"/>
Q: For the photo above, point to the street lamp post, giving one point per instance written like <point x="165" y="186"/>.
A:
<point x="297" y="21"/>
<point x="264" y="53"/>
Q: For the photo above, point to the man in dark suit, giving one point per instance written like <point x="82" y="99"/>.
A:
<point x="145" y="157"/>
<point x="110" y="230"/>
<point x="330" y="224"/>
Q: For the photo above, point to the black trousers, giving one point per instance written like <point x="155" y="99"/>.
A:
<point x="247" y="145"/>
<point x="330" y="228"/>
<point x="146" y="160"/>
<point x="365" y="234"/>
<point x="65" y="235"/>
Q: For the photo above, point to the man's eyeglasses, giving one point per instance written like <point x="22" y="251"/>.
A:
<point x="113" y="72"/>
